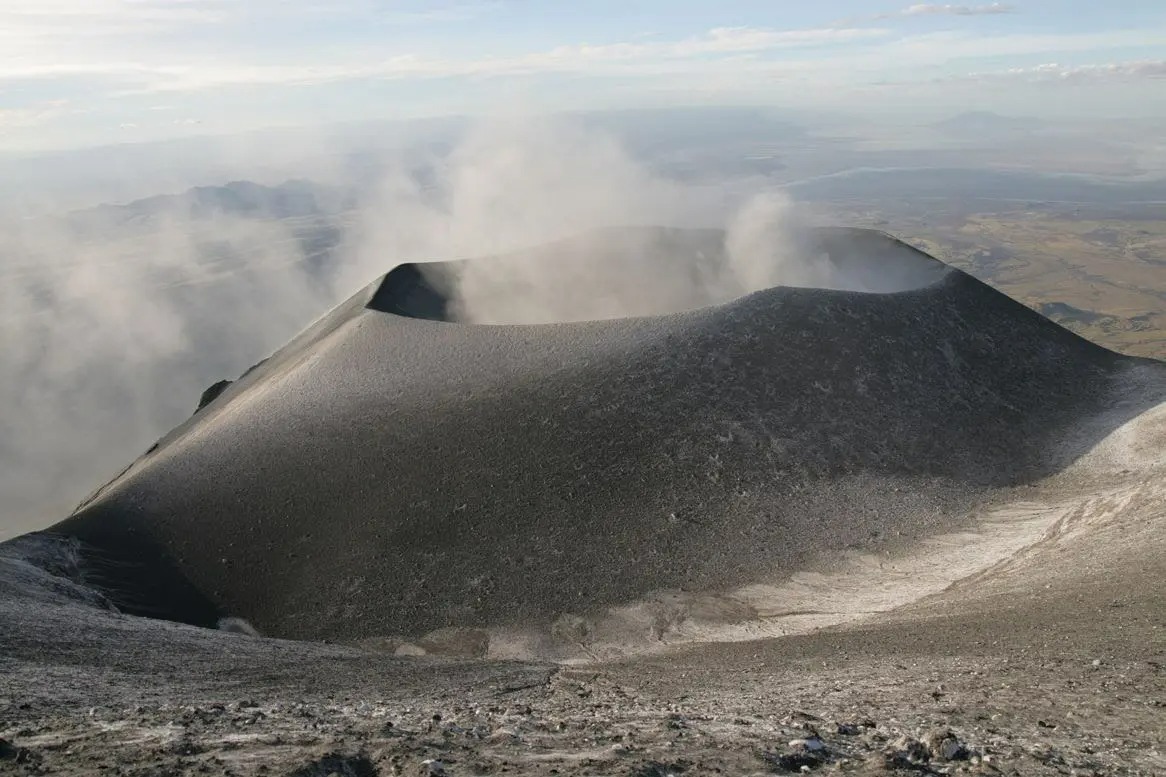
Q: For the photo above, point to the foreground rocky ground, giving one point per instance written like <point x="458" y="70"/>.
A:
<point x="756" y="710"/>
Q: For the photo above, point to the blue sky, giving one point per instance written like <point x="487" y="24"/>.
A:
<point x="86" y="72"/>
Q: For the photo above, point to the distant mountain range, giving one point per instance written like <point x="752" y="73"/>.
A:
<point x="291" y="199"/>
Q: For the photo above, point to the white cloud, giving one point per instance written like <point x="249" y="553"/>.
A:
<point x="1056" y="72"/>
<point x="132" y="49"/>
<point x="166" y="72"/>
<point x="940" y="9"/>
<point x="454" y="13"/>
<point x="137" y="14"/>
<point x="33" y="115"/>
<point x="948" y="46"/>
<point x="128" y="47"/>
<point x="937" y="9"/>
<point x="728" y="39"/>
<point x="741" y="51"/>
<point x="46" y="38"/>
<point x="718" y="41"/>
<point x="87" y="19"/>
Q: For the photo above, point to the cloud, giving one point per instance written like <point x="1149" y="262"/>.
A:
<point x="747" y="51"/>
<point x="91" y="38"/>
<point x="730" y="39"/>
<point x="716" y="42"/>
<point x="947" y="9"/>
<point x="934" y="9"/>
<point x="1056" y="72"/>
<point x="34" y="115"/>
<point x="377" y="11"/>
<point x="74" y="20"/>
<point x="106" y="17"/>
<point x="123" y="55"/>
<point x="462" y="12"/>
<point x="610" y="58"/>
<point x="949" y="46"/>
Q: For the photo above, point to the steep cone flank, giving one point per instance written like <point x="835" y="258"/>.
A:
<point x="389" y="472"/>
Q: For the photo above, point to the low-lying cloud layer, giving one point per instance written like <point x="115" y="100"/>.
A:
<point x="939" y="9"/>
<point x="1052" y="71"/>
<point x="78" y="73"/>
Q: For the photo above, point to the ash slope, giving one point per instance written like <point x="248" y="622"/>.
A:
<point x="392" y="475"/>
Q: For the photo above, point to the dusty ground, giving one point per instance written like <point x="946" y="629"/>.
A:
<point x="1014" y="711"/>
<point x="1049" y="663"/>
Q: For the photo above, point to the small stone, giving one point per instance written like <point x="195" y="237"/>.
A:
<point x="409" y="649"/>
<point x="1096" y="663"/>
<point x="796" y="761"/>
<point x="433" y="768"/>
<point x="953" y="750"/>
<point x="946" y="746"/>
<point x="805" y="754"/>
<point x="809" y="744"/>
<point x="20" y="755"/>
<point x="211" y="393"/>
<point x="504" y="735"/>
<point x="799" y="717"/>
<point x="848" y="729"/>
<point x="906" y="751"/>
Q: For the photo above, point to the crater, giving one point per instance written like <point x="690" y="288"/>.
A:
<point x="649" y="271"/>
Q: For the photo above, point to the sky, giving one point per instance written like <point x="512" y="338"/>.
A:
<point x="77" y="73"/>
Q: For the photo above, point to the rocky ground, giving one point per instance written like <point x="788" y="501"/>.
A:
<point x="1040" y="669"/>
<point x="758" y="709"/>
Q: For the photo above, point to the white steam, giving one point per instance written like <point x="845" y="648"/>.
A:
<point x="550" y="203"/>
<point x="515" y="185"/>
<point x="766" y="245"/>
<point x="109" y="337"/>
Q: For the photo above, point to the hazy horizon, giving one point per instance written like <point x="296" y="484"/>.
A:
<point x="84" y="73"/>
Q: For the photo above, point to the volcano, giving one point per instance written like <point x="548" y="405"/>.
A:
<point x="395" y="471"/>
<point x="473" y="474"/>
